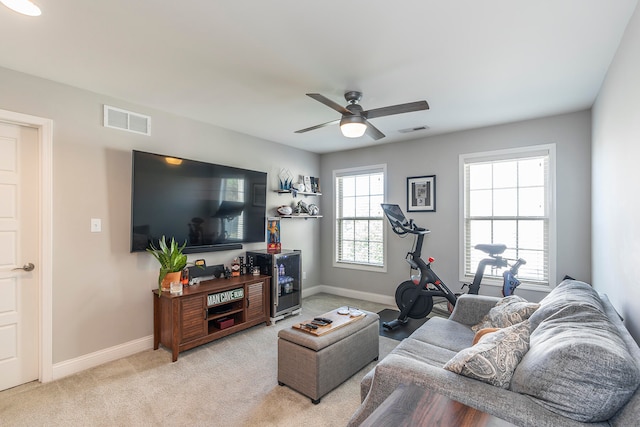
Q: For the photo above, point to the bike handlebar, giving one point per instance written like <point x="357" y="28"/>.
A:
<point x="408" y="227"/>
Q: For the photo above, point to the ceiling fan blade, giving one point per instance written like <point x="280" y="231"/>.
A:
<point x="332" y="122"/>
<point x="373" y="131"/>
<point x="329" y="103"/>
<point x="396" y="109"/>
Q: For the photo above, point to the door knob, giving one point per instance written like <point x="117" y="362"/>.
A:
<point x="27" y="267"/>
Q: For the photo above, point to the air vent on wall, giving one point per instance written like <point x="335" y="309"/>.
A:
<point x="415" y="129"/>
<point x="126" y="120"/>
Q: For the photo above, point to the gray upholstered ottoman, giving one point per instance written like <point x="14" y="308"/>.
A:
<point x="315" y="365"/>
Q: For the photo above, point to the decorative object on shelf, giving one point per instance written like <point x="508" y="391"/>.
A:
<point x="172" y="262"/>
<point x="301" y="208"/>
<point x="313" y="209"/>
<point x="297" y="187"/>
<point x="421" y="193"/>
<point x="175" y="288"/>
<point x="315" y="184"/>
<point x="273" y="235"/>
<point x="235" y="268"/>
<point x="285" y="210"/>
<point x="286" y="179"/>
<point x="307" y="184"/>
<point x="249" y="267"/>
<point x="243" y="266"/>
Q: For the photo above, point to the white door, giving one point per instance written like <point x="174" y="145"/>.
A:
<point x="19" y="240"/>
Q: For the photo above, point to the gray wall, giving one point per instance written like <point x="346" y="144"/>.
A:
<point x="616" y="150"/>
<point x="439" y="155"/>
<point x="101" y="292"/>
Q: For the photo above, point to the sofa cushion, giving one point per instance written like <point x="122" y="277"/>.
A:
<point x="508" y="311"/>
<point x="577" y="366"/>
<point x="568" y="292"/>
<point x="445" y="333"/>
<point x="423" y="352"/>
<point x="494" y="358"/>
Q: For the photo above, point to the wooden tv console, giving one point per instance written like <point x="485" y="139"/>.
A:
<point x="209" y="310"/>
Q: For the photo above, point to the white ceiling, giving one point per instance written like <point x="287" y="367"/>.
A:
<point x="246" y="65"/>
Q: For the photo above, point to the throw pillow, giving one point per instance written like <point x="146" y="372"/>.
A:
<point x="508" y="311"/>
<point x="578" y="366"/>
<point x="494" y="358"/>
<point x="483" y="332"/>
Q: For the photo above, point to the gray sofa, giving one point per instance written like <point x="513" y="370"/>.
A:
<point x="581" y="367"/>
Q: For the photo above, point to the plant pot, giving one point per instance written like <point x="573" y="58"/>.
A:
<point x="170" y="277"/>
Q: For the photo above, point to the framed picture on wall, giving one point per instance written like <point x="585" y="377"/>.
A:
<point x="421" y="193"/>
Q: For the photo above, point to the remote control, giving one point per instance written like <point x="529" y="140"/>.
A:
<point x="310" y="326"/>
<point x="319" y="322"/>
<point x="323" y="319"/>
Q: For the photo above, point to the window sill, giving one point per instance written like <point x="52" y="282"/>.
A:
<point x="360" y="267"/>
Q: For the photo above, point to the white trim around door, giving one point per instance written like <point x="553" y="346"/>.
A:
<point x="45" y="145"/>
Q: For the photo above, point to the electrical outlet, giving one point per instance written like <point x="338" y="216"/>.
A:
<point x="96" y="225"/>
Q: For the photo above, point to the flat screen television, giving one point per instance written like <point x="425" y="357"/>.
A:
<point x="210" y="207"/>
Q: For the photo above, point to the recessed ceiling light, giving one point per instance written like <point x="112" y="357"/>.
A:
<point x="24" y="7"/>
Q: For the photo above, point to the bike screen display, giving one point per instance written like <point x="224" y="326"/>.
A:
<point x="394" y="213"/>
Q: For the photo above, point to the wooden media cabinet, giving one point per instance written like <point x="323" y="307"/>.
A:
<point x="209" y="310"/>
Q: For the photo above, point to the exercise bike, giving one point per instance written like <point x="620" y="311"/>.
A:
<point x="415" y="297"/>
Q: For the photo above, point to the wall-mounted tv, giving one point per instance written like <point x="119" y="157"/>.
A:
<point x="211" y="207"/>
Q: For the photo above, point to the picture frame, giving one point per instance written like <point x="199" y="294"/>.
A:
<point x="421" y="193"/>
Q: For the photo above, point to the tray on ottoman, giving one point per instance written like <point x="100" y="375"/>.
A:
<point x="339" y="317"/>
<point x="316" y="364"/>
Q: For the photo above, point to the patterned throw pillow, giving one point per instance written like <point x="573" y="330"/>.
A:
<point x="494" y="358"/>
<point x="508" y="311"/>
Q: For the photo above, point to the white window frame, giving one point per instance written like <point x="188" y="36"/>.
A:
<point x="514" y="153"/>
<point x="353" y="265"/>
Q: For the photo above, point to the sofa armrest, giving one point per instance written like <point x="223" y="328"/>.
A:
<point x="470" y="309"/>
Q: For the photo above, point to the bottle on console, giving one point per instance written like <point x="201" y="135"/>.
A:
<point x="235" y="268"/>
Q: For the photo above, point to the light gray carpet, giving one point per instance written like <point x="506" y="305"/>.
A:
<point x="231" y="382"/>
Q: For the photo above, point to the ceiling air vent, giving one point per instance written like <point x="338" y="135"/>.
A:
<point x="415" y="129"/>
<point x="126" y="120"/>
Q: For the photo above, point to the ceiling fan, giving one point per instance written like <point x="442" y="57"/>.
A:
<point x="355" y="121"/>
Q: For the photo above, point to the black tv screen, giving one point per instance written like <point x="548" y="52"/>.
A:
<point x="210" y="207"/>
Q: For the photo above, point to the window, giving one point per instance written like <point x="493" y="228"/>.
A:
<point x="359" y="222"/>
<point x="508" y="198"/>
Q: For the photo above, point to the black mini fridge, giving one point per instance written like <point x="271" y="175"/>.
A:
<point x="285" y="269"/>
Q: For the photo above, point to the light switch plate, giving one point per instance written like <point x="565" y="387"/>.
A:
<point x="96" y="225"/>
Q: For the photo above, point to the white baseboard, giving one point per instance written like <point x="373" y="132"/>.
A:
<point x="78" y="364"/>
<point x="349" y="293"/>
<point x="87" y="361"/>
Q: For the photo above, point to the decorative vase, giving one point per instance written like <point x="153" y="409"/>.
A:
<point x="170" y="277"/>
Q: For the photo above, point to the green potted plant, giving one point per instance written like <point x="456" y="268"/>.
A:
<point x="172" y="262"/>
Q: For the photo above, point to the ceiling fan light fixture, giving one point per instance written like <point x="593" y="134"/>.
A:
<point x="353" y="126"/>
<point x="24" y="7"/>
